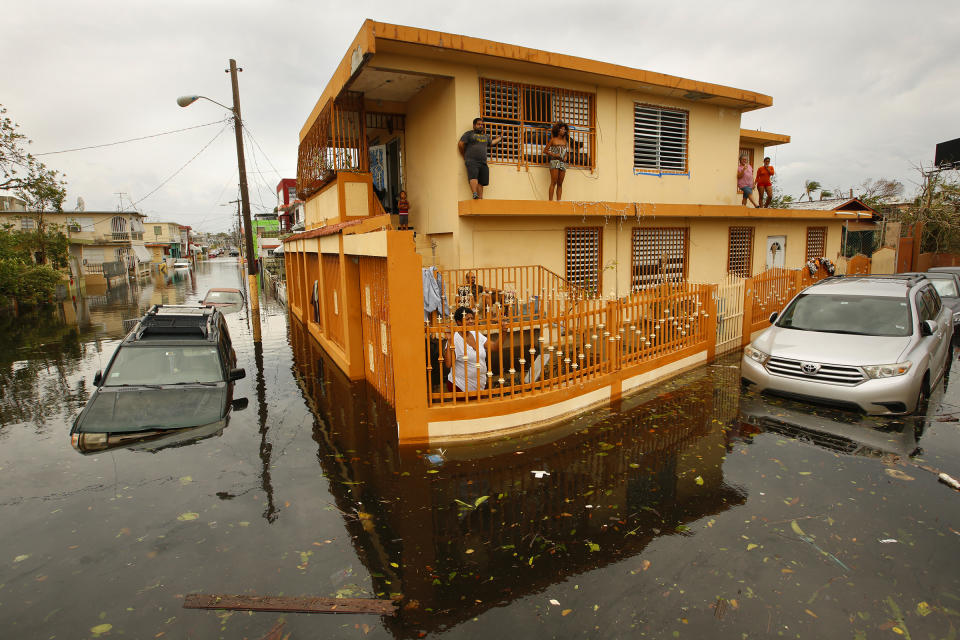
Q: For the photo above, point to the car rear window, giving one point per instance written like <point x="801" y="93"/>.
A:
<point x="857" y="315"/>
<point x="164" y="365"/>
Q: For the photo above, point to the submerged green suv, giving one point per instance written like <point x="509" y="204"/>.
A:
<point x="174" y="371"/>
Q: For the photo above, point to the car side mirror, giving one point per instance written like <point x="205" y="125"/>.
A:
<point x="97" y="378"/>
<point x="928" y="328"/>
<point x="773" y="317"/>
<point x="239" y="404"/>
<point x="237" y="374"/>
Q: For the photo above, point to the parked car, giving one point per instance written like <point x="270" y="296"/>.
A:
<point x="876" y="344"/>
<point x="181" y="263"/>
<point x="223" y="297"/>
<point x="175" y="370"/>
<point x="234" y="253"/>
<point x="947" y="284"/>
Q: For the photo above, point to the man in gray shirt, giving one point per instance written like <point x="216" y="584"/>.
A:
<point x="473" y="147"/>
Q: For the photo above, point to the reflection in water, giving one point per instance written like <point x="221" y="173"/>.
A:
<point x="266" y="448"/>
<point x="475" y="527"/>
<point x="835" y="430"/>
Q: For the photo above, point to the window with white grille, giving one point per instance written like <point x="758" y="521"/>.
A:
<point x="658" y="254"/>
<point x="816" y="242"/>
<point x="583" y="258"/>
<point x="28" y="223"/>
<point x="740" y="252"/>
<point x="523" y="115"/>
<point x="659" y="139"/>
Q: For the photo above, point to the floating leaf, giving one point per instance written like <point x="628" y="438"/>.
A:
<point x="796" y="528"/>
<point x="923" y="609"/>
<point x="752" y="546"/>
<point x="21" y="558"/>
<point x="593" y="546"/>
<point x="185" y="480"/>
<point x="190" y="515"/>
<point x="100" y="629"/>
<point x="565" y="612"/>
<point x="480" y="501"/>
<point x="554" y="602"/>
<point x="698" y="480"/>
<point x="899" y="475"/>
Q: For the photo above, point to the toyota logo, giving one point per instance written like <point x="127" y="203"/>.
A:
<point x="809" y="368"/>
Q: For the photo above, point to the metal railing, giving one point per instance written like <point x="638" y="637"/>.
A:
<point x="538" y="344"/>
<point x="484" y="288"/>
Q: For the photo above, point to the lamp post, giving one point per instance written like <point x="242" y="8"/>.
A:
<point x="185" y="101"/>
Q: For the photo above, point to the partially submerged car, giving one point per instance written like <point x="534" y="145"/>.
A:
<point x="223" y="297"/>
<point x="175" y="370"/>
<point x="182" y="263"/>
<point x="876" y="344"/>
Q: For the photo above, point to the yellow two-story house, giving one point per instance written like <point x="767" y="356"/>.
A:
<point x="95" y="237"/>
<point x="649" y="197"/>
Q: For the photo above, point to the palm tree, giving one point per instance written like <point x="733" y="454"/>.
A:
<point x="809" y="186"/>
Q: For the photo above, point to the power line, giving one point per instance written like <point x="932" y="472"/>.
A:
<point x="110" y="144"/>
<point x="184" y="166"/>
<point x="261" y="150"/>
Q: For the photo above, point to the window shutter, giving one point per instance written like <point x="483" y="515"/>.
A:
<point x="659" y="139"/>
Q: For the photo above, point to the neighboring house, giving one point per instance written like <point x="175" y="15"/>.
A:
<point x="12" y="203"/>
<point x="649" y="198"/>
<point x="95" y="237"/>
<point x="266" y="234"/>
<point x="289" y="207"/>
<point x="164" y="241"/>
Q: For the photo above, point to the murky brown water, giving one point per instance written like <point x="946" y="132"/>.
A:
<point x="688" y="511"/>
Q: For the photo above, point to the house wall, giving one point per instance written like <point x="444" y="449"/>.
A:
<point x="434" y="166"/>
<point x="321" y="206"/>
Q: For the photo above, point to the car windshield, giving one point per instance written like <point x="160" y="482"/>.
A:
<point x="164" y="365"/>
<point x="946" y="287"/>
<point x="858" y="315"/>
<point x="229" y="297"/>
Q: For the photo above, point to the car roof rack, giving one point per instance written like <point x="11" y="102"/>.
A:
<point x="176" y="320"/>
<point x="907" y="279"/>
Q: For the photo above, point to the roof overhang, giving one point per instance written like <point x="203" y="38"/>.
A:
<point x="764" y="138"/>
<point x="378" y="36"/>
<point x="638" y="210"/>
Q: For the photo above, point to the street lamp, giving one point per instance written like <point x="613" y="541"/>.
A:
<point x="186" y="101"/>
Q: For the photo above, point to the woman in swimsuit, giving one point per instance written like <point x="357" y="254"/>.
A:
<point x="556" y="152"/>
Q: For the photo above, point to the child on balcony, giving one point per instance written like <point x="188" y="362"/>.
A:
<point x="403" y="208"/>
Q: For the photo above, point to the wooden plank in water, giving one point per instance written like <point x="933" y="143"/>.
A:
<point x="290" y="604"/>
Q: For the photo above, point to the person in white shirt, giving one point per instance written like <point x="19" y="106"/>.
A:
<point x="466" y="353"/>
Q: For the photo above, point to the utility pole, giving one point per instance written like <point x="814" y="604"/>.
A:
<point x="244" y="195"/>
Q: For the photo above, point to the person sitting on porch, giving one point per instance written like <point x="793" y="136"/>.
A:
<point x="466" y="353"/>
<point x="473" y="147"/>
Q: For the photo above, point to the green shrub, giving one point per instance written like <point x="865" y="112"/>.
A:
<point x="27" y="283"/>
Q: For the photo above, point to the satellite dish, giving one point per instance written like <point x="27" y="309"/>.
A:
<point x="81" y="205"/>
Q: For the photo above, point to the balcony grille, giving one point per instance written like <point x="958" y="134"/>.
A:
<point x="583" y="258"/>
<point x="816" y="242"/>
<point x="740" y="252"/>
<point x="828" y="373"/>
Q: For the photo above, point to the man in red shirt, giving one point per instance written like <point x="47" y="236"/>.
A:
<point x="764" y="185"/>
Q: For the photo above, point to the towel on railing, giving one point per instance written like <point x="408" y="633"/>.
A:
<point x="433" y="298"/>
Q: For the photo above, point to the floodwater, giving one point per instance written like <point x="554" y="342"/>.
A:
<point x="690" y="510"/>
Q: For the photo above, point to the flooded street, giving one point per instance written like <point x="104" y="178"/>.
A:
<point x="690" y="510"/>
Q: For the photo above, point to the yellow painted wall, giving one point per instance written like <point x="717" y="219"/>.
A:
<point x="435" y="170"/>
<point x="517" y="241"/>
<point x="431" y="162"/>
<point x="321" y="206"/>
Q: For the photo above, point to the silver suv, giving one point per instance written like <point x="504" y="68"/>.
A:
<point x="876" y="344"/>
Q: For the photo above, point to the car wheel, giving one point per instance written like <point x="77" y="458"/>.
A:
<point x="921" y="407"/>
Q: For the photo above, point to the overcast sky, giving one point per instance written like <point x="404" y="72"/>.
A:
<point x="865" y="89"/>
